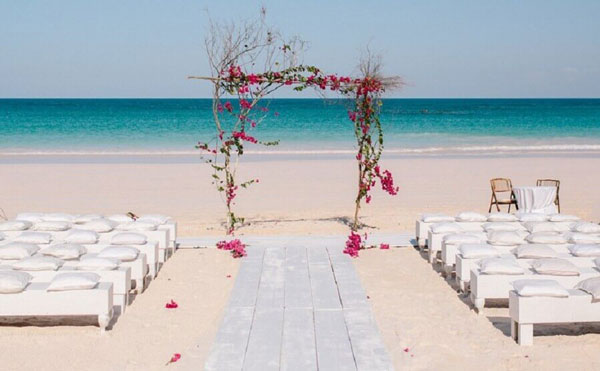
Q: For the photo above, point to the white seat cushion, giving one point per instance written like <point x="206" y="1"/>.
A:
<point x="58" y="217"/>
<point x="12" y="282"/>
<point x="563" y="218"/>
<point x="137" y="226"/>
<point x="98" y="225"/>
<point x="582" y="238"/>
<point x="502" y="217"/>
<point x="156" y="219"/>
<point x="591" y="286"/>
<point x="585" y="250"/>
<point x="51" y="226"/>
<point x="585" y="227"/>
<point x="34" y="237"/>
<point x="535" y="251"/>
<point x="30" y="217"/>
<point x="120" y="218"/>
<point x="128" y="238"/>
<point x="84" y="218"/>
<point x="74" y="281"/>
<point x="15" y="225"/>
<point x="66" y="251"/>
<point x="549" y="288"/>
<point x="97" y="264"/>
<point x="471" y="216"/>
<point x="17" y="250"/>
<point x="458" y="238"/>
<point x="504" y="238"/>
<point x="500" y="266"/>
<point x="436" y="218"/>
<point x="553" y="238"/>
<point x="476" y="251"/>
<point x="532" y="217"/>
<point x="501" y="226"/>
<point x="555" y="267"/>
<point x="534" y="227"/>
<point x="123" y="253"/>
<point x="38" y="263"/>
<point x="82" y="236"/>
<point x="446" y="227"/>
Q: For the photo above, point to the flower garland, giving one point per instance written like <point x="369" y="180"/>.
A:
<point x="235" y="121"/>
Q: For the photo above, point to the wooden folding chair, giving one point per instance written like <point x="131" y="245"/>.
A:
<point x="551" y="183"/>
<point x="502" y="186"/>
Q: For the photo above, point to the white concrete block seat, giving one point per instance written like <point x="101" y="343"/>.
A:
<point x="498" y="286"/>
<point x="71" y="254"/>
<point x="439" y="231"/>
<point x="473" y="253"/>
<point x="551" y="306"/>
<point x="424" y="222"/>
<point x="60" y="225"/>
<point x="138" y="268"/>
<point x="29" y="256"/>
<point x="42" y="267"/>
<point x="65" y="295"/>
<point x="105" y="231"/>
<point x="120" y="279"/>
<point x="559" y="222"/>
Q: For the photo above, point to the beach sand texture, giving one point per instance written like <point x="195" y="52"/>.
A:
<point x="414" y="307"/>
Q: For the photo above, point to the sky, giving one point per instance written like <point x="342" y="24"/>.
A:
<point x="445" y="49"/>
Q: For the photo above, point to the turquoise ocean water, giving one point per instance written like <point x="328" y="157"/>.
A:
<point x="304" y="126"/>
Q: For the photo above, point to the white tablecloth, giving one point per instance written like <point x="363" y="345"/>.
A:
<point x="536" y="199"/>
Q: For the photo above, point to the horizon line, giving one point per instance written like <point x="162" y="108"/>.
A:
<point x="287" y="98"/>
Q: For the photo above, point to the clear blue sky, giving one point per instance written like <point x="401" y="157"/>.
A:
<point x="450" y="48"/>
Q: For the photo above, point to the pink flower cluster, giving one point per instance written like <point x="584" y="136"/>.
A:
<point x="243" y="136"/>
<point x="237" y="248"/>
<point x="353" y="244"/>
<point x="230" y="193"/>
<point x="387" y="183"/>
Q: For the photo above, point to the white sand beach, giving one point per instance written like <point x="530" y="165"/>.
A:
<point x="425" y="324"/>
<point x="293" y="196"/>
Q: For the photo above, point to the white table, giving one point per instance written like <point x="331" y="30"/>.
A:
<point x="536" y="199"/>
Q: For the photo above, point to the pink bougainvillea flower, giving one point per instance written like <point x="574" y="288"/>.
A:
<point x="237" y="248"/>
<point x="353" y="244"/>
<point x="228" y="106"/>
<point x="174" y="358"/>
<point x="384" y="246"/>
<point x="171" y="305"/>
<point x="243" y="136"/>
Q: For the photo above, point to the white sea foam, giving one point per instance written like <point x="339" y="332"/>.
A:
<point x="544" y="148"/>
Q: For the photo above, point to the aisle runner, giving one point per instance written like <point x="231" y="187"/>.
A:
<point x="298" y="308"/>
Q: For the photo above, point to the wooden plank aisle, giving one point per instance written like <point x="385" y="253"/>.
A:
<point x="334" y="351"/>
<point x="298" y="351"/>
<point x="264" y="345"/>
<point x="298" y="308"/>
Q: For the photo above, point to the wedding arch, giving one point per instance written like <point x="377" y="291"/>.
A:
<point x="236" y="52"/>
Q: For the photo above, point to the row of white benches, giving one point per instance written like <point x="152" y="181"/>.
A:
<point x="524" y="311"/>
<point x="109" y="297"/>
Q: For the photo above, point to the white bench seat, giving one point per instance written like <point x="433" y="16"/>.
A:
<point x="434" y="240"/>
<point x="528" y="311"/>
<point x="464" y="266"/>
<point x="497" y="286"/>
<point x="36" y="301"/>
